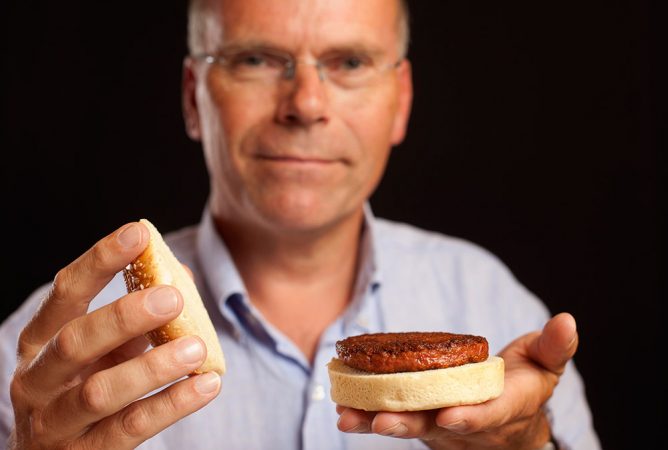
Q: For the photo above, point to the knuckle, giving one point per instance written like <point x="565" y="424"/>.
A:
<point x="99" y="255"/>
<point x="24" y="344"/>
<point x="93" y="395"/>
<point x="135" y="421"/>
<point x="153" y="364"/>
<point x="60" y="287"/>
<point x="38" y="430"/>
<point x="17" y="392"/>
<point x="180" y="399"/>
<point x="67" y="344"/>
<point x="499" y="440"/>
<point x="175" y="400"/>
<point x="120" y="317"/>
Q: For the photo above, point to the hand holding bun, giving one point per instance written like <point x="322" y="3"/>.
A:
<point x="158" y="265"/>
<point x="414" y="371"/>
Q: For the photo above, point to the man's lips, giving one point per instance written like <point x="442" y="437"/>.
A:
<point x="297" y="159"/>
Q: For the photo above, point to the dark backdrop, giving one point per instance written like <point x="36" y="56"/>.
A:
<point x="534" y="134"/>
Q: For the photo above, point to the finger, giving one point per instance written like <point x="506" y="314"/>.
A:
<point x="525" y="390"/>
<point x="126" y="351"/>
<point x="417" y="424"/>
<point x="147" y="417"/>
<point x="78" y="283"/>
<point x="107" y="392"/>
<point x="86" y="339"/>
<point x="354" y="420"/>
<point x="469" y="419"/>
<point x="557" y="344"/>
<point x="533" y="364"/>
<point x="472" y="424"/>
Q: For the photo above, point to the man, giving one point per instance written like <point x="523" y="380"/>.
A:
<point x="297" y="104"/>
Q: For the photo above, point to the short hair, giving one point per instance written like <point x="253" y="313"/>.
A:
<point x="197" y="19"/>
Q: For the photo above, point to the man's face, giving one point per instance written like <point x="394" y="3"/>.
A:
<point x="304" y="153"/>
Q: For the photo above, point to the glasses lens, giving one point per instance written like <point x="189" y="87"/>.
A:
<point x="347" y="70"/>
<point x="255" y="65"/>
<point x="350" y="70"/>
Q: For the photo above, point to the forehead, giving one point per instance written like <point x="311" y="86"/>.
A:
<point x="305" y="25"/>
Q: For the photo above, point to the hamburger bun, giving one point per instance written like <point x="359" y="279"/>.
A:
<point x="414" y="371"/>
<point x="467" y="384"/>
<point x="157" y="265"/>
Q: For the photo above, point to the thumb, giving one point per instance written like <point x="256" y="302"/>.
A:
<point x="557" y="344"/>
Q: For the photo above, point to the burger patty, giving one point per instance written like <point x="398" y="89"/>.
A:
<point x="410" y="351"/>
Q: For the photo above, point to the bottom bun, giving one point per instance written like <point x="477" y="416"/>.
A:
<point x="416" y="391"/>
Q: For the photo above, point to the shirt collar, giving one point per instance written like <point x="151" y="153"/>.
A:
<point x="218" y="268"/>
<point x="229" y="292"/>
<point x="368" y="278"/>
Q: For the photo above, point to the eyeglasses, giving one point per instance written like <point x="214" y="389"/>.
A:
<point x="347" y="70"/>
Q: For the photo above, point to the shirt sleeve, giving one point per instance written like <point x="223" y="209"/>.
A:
<point x="9" y="334"/>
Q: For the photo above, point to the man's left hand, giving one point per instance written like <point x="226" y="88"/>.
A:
<point x="515" y="420"/>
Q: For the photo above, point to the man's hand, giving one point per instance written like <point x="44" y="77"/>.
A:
<point x="82" y="379"/>
<point x="515" y="420"/>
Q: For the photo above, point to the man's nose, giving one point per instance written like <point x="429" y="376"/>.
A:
<point x="305" y="98"/>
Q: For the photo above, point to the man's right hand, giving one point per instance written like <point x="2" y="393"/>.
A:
<point x="82" y="378"/>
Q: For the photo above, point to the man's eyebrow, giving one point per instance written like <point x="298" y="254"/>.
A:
<point x="373" y="51"/>
<point x="249" y="45"/>
<point x="238" y="46"/>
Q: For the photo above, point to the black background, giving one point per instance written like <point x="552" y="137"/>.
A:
<point x="534" y="133"/>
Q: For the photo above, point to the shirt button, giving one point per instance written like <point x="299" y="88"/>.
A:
<point x="318" y="393"/>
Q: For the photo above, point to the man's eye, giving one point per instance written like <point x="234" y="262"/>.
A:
<point x="348" y="63"/>
<point x="250" y="60"/>
<point x="351" y="63"/>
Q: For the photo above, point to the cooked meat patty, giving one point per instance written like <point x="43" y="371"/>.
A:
<point x="411" y="351"/>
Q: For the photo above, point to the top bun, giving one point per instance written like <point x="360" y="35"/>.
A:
<point x="157" y="265"/>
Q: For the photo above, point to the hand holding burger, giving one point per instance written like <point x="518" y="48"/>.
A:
<point x="514" y="420"/>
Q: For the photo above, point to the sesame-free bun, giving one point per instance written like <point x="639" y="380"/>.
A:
<point x="157" y="265"/>
<point x="416" y="391"/>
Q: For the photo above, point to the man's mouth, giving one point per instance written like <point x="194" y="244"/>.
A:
<point x="296" y="159"/>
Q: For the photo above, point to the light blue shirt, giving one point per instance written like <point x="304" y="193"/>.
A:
<point x="272" y="398"/>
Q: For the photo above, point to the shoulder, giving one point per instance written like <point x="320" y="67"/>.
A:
<point x="452" y="283"/>
<point x="399" y="238"/>
<point x="183" y="243"/>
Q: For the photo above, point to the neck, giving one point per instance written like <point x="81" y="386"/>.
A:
<point x="300" y="282"/>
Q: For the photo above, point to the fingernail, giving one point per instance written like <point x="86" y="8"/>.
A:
<point x="162" y="301"/>
<point x="398" y="429"/>
<point x="457" y="426"/>
<point x="189" y="351"/>
<point x="130" y="236"/>
<point x="207" y="383"/>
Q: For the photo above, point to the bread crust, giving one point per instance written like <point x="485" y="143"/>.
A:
<point x="416" y="391"/>
<point x="157" y="265"/>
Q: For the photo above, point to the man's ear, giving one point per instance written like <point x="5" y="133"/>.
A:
<point x="405" y="80"/>
<point x="189" y="99"/>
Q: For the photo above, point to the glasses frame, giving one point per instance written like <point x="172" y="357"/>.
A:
<point x="290" y="63"/>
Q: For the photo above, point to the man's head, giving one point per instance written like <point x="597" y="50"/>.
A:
<point x="297" y="104"/>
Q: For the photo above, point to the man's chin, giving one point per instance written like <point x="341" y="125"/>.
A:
<point x="302" y="219"/>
